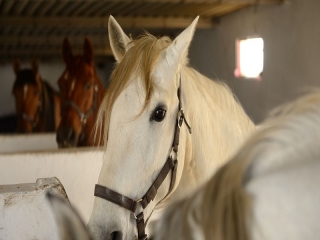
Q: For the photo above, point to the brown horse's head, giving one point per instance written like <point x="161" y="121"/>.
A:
<point x="27" y="92"/>
<point x="80" y="91"/>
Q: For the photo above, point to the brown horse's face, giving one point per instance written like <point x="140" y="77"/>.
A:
<point x="27" y="93"/>
<point x="77" y="90"/>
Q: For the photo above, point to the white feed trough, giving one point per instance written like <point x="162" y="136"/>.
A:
<point x="26" y="212"/>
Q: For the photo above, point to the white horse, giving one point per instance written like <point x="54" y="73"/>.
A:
<point x="269" y="190"/>
<point x="139" y="115"/>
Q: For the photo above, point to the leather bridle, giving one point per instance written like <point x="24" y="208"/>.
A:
<point x="170" y="165"/>
<point x="84" y="115"/>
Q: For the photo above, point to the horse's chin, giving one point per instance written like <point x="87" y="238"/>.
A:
<point x="67" y="138"/>
<point x="66" y="144"/>
<point x="23" y="129"/>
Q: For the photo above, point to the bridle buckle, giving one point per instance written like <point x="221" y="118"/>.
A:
<point x="180" y="118"/>
<point x="134" y="214"/>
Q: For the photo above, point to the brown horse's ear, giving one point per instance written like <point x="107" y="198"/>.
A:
<point x="16" y="66"/>
<point x="35" y="66"/>
<point x="35" y="69"/>
<point x="66" y="51"/>
<point x="88" y="51"/>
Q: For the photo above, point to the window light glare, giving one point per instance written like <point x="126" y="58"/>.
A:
<point x="250" y="59"/>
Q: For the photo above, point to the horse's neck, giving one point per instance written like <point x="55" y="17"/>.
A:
<point x="219" y="125"/>
<point x="47" y="116"/>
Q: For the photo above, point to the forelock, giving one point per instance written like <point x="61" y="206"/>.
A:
<point x="139" y="61"/>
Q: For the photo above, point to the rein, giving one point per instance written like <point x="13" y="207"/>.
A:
<point x="84" y="115"/>
<point x="170" y="165"/>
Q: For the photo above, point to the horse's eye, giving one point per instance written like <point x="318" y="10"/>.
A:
<point x="158" y="114"/>
<point x="88" y="86"/>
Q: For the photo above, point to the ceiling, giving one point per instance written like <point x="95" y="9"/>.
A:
<point x="36" y="28"/>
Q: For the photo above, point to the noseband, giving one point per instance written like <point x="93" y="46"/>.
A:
<point x="84" y="115"/>
<point x="170" y="165"/>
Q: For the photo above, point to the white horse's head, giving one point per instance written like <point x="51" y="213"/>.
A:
<point x="139" y="116"/>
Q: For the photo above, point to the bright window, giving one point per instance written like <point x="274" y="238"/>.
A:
<point x="249" y="58"/>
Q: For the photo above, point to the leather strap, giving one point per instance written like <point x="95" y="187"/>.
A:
<point x="28" y="119"/>
<point x="130" y="204"/>
<point x="141" y="227"/>
<point x="116" y="198"/>
<point x="152" y="192"/>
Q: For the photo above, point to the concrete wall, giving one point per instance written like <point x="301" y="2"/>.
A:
<point x="77" y="169"/>
<point x="27" y="142"/>
<point x="291" y="34"/>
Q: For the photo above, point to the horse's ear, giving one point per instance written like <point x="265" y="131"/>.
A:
<point x="35" y="66"/>
<point x="177" y="52"/>
<point x="118" y="39"/>
<point x="69" y="223"/>
<point x="16" y="66"/>
<point x="88" y="51"/>
<point x="66" y="51"/>
<point x="35" y="69"/>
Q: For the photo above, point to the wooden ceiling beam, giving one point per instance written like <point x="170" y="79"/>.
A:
<point x="184" y="1"/>
<point x="224" y="9"/>
<point x="55" y="40"/>
<point x="6" y="6"/>
<point x="48" y="52"/>
<point x="94" y="22"/>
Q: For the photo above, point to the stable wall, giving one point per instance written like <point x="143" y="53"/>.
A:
<point x="27" y="142"/>
<point x="291" y="33"/>
<point x="77" y="169"/>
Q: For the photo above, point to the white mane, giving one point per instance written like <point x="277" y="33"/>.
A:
<point x="218" y="120"/>
<point x="222" y="208"/>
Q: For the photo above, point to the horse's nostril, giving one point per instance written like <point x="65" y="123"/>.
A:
<point x="72" y="134"/>
<point x="58" y="139"/>
<point x="116" y="235"/>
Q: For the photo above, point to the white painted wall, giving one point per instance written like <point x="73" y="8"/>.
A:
<point x="27" y="142"/>
<point x="77" y="169"/>
<point x="291" y="34"/>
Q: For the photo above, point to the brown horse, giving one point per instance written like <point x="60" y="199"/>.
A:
<point x="81" y="95"/>
<point x="37" y="103"/>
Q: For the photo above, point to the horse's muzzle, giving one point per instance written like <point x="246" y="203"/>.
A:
<point x="67" y="137"/>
